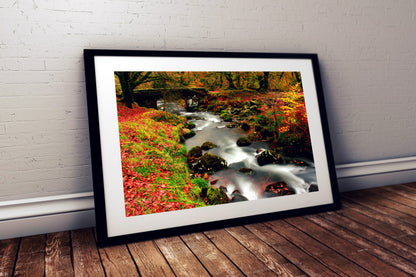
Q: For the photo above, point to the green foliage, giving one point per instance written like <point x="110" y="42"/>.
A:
<point x="168" y="118"/>
<point x="216" y="196"/>
<point x="201" y="183"/>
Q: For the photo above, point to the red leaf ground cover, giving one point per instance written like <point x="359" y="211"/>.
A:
<point x="155" y="174"/>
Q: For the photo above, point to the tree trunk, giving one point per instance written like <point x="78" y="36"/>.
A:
<point x="124" y="79"/>
<point x="227" y="76"/>
<point x="265" y="81"/>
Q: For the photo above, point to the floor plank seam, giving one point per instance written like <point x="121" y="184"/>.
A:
<point x="222" y="252"/>
<point x="16" y="256"/>
<point x="331" y="248"/>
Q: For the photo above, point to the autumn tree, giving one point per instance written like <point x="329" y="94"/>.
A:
<point x="229" y="78"/>
<point x="264" y="81"/>
<point x="128" y="82"/>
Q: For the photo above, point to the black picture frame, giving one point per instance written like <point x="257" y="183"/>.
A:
<point x="112" y="224"/>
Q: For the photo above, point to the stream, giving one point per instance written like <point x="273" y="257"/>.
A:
<point x="210" y="127"/>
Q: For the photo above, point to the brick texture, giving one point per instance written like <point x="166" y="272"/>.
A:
<point x="366" y="49"/>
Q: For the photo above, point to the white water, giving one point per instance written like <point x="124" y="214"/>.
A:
<point x="209" y="127"/>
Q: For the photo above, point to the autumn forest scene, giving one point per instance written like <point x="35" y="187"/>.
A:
<point x="195" y="139"/>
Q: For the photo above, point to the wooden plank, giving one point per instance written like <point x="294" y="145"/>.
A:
<point x="405" y="227"/>
<point x="375" y="205"/>
<point x="248" y="263"/>
<point x="149" y="260"/>
<point x="397" y="190"/>
<point x="412" y="185"/>
<point x="365" y="245"/>
<point x="382" y="227"/>
<point x="290" y="251"/>
<point x="382" y="240"/>
<point x="270" y="257"/>
<point x="181" y="259"/>
<point x="404" y="188"/>
<point x="8" y="253"/>
<point x="383" y="201"/>
<point x="391" y="194"/>
<point x="215" y="262"/>
<point x="338" y="263"/>
<point x="31" y="256"/>
<point x="86" y="259"/>
<point x="117" y="261"/>
<point x="346" y="249"/>
<point x="58" y="255"/>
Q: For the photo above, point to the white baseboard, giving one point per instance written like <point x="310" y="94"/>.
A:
<point x="355" y="176"/>
<point x="41" y="215"/>
<point x="25" y="217"/>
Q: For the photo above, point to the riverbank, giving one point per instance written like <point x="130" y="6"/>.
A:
<point x="154" y="164"/>
<point x="278" y="118"/>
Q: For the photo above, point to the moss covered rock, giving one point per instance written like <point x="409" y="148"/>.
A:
<point x="243" y="141"/>
<point x="226" y="117"/>
<point x="216" y="196"/>
<point x="187" y="133"/>
<point x="194" y="153"/>
<point x="209" y="163"/>
<point x="269" y="157"/>
<point x="208" y="145"/>
<point x="190" y="125"/>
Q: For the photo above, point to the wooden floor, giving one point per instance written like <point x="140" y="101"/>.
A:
<point x="372" y="235"/>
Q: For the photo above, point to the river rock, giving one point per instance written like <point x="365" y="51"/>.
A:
<point x="243" y="141"/>
<point x="238" y="197"/>
<point x="216" y="196"/>
<point x="188" y="133"/>
<point x="208" y="145"/>
<point x="246" y="170"/>
<point x="277" y="189"/>
<point x="209" y="163"/>
<point x="190" y="125"/>
<point x="313" y="187"/>
<point x="194" y="153"/>
<point x="245" y="126"/>
<point x="269" y="157"/>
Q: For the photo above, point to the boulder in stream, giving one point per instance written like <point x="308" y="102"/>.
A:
<point x="269" y="157"/>
<point x="243" y="141"/>
<point x="237" y="197"/>
<point x="190" y="125"/>
<point x="216" y="196"/>
<point x="247" y="170"/>
<point x="313" y="187"/>
<point x="187" y="133"/>
<point x="208" y="145"/>
<point x="209" y="163"/>
<point x="277" y="189"/>
<point x="194" y="154"/>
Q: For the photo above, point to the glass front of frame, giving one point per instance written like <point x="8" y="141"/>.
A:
<point x="193" y="140"/>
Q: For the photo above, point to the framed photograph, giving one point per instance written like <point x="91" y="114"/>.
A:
<point x="190" y="141"/>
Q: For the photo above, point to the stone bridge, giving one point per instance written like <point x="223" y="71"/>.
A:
<point x="148" y="97"/>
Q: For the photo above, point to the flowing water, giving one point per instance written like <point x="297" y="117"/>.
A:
<point x="210" y="127"/>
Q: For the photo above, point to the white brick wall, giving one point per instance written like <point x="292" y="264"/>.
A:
<point x="366" y="48"/>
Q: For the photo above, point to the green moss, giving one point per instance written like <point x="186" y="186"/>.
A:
<point x="216" y="196"/>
